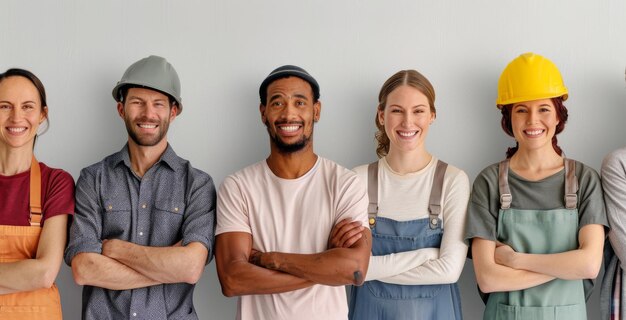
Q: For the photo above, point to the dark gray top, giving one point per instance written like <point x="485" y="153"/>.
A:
<point x="545" y="194"/>
<point x="171" y="202"/>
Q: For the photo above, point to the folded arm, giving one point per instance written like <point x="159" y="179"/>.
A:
<point x="336" y="266"/>
<point x="97" y="270"/>
<point x="40" y="272"/>
<point x="173" y="264"/>
<point x="581" y="263"/>
<point x="240" y="277"/>
<point x="494" y="277"/>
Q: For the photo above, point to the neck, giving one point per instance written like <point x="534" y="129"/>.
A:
<point x="142" y="158"/>
<point x="407" y="162"/>
<point x="15" y="160"/>
<point x="291" y="165"/>
<point x="536" y="164"/>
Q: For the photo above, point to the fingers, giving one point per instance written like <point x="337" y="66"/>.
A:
<point x="346" y="233"/>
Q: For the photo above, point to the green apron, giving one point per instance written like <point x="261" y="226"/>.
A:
<point x="539" y="232"/>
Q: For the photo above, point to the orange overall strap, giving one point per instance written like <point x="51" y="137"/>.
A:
<point x="35" y="193"/>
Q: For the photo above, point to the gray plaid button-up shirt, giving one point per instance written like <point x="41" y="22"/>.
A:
<point x="171" y="202"/>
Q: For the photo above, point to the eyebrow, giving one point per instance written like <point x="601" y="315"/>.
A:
<point x="416" y="106"/>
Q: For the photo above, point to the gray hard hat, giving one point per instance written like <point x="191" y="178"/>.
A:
<point x="153" y="72"/>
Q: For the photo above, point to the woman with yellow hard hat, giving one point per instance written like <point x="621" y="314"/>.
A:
<point x="535" y="220"/>
<point x="35" y="202"/>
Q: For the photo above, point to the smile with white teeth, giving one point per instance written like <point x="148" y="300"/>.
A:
<point x="407" y="133"/>
<point x="17" y="130"/>
<point x="534" y="132"/>
<point x="289" y="128"/>
<point x="147" y="126"/>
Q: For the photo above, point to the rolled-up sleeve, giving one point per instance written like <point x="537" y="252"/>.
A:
<point x="86" y="229"/>
<point x="199" y="220"/>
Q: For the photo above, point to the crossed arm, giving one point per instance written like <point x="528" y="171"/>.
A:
<point x="124" y="265"/>
<point x="499" y="268"/>
<point x="243" y="270"/>
<point x="39" y="272"/>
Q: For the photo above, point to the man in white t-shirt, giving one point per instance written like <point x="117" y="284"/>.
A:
<point x="275" y="218"/>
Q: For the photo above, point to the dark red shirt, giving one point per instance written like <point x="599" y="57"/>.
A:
<point x="57" y="196"/>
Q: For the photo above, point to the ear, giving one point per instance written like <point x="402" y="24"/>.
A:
<point x="433" y="116"/>
<point x="317" y="110"/>
<point x="44" y="114"/>
<point x="262" y="111"/>
<point x="173" y="112"/>
<point x="120" y="109"/>
<point x="381" y="117"/>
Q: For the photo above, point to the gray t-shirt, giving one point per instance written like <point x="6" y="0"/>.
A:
<point x="545" y="194"/>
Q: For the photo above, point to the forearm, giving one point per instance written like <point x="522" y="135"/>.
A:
<point x="333" y="267"/>
<point x="495" y="277"/>
<point x="173" y="264"/>
<point x="390" y="265"/>
<point x="570" y="265"/>
<point x="243" y="278"/>
<point x="444" y="269"/>
<point x="100" y="271"/>
<point x="27" y="275"/>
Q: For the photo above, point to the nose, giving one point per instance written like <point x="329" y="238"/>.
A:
<point x="290" y="109"/>
<point x="532" y="117"/>
<point x="15" y="113"/>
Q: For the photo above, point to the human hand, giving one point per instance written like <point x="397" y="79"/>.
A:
<point x="504" y="254"/>
<point x="345" y="234"/>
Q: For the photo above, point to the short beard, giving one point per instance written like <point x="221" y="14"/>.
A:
<point x="292" y="147"/>
<point x="146" y="142"/>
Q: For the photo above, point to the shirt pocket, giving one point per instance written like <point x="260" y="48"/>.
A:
<point x="167" y="222"/>
<point x="116" y="220"/>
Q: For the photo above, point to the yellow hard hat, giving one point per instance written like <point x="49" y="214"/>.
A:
<point x="529" y="77"/>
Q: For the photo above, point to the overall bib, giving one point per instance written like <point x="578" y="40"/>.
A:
<point x="539" y="232"/>
<point x="377" y="300"/>
<point x="20" y="243"/>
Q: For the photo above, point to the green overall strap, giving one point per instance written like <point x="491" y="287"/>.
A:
<point x="434" y="203"/>
<point x="571" y="184"/>
<point x="503" y="184"/>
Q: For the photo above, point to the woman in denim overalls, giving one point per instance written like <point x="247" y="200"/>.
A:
<point x="413" y="198"/>
<point x="535" y="220"/>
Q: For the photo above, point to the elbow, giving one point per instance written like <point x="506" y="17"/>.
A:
<point x="46" y="280"/>
<point x="229" y="285"/>
<point x="193" y="274"/>
<point x="591" y="271"/>
<point x="79" y="265"/>
<point x="485" y="283"/>
<point x="356" y="272"/>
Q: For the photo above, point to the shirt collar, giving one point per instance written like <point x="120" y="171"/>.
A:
<point x="168" y="157"/>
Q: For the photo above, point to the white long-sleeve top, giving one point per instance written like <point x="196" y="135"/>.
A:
<point x="405" y="197"/>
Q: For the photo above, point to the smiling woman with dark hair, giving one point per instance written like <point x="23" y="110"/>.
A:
<point x="536" y="219"/>
<point x="36" y="201"/>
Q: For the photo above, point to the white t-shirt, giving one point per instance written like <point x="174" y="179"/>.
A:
<point x="405" y="197"/>
<point x="291" y="216"/>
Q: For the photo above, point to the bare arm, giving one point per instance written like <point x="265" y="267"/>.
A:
<point x="494" y="277"/>
<point x="40" y="272"/>
<point x="240" y="277"/>
<point x="173" y="264"/>
<point x="97" y="270"/>
<point x="337" y="266"/>
<point x="581" y="263"/>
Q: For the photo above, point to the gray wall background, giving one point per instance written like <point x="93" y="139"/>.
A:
<point x="223" y="49"/>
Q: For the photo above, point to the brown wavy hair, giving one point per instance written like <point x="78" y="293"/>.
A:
<point x="561" y="114"/>
<point x="410" y="78"/>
